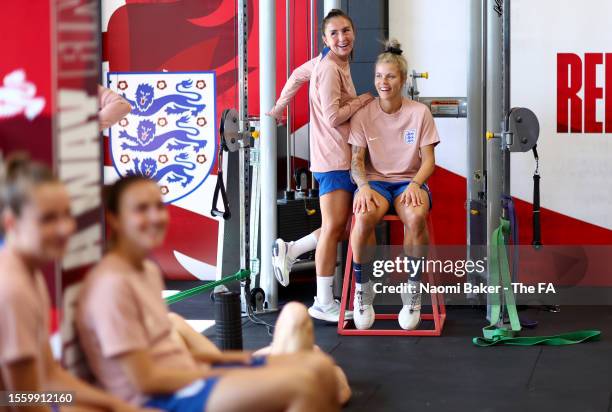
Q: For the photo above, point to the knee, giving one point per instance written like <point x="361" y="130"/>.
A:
<point x="322" y="366"/>
<point x="333" y="229"/>
<point x="296" y="315"/>
<point x="416" y="223"/>
<point x="177" y="321"/>
<point x="175" y="318"/>
<point x="364" y="225"/>
<point x="316" y="378"/>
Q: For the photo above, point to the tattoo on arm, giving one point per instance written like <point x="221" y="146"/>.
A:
<point x="358" y="166"/>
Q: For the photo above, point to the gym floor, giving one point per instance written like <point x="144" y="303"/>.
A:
<point x="449" y="373"/>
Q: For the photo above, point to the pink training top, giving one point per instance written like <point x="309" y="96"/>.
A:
<point x="120" y="310"/>
<point x="393" y="140"/>
<point x="333" y="101"/>
<point x="112" y="107"/>
<point x="24" y="315"/>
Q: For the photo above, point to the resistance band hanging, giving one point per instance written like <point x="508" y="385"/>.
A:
<point x="537" y="234"/>
<point x="508" y="205"/>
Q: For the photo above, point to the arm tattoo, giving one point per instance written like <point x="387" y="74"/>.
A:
<point x="358" y="166"/>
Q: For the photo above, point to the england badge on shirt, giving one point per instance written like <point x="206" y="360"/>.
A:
<point x="410" y="136"/>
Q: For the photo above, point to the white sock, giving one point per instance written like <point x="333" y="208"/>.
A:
<point x="362" y="286"/>
<point x="301" y="246"/>
<point x="325" y="289"/>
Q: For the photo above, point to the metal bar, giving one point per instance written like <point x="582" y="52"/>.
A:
<point x="506" y="98"/>
<point x="474" y="98"/>
<point x="484" y="41"/>
<point x="288" y="69"/>
<point x="267" y="95"/>
<point x="254" y="217"/>
<point x="243" y="159"/>
<point x="476" y="222"/>
<point x="331" y="4"/>
<point x="313" y="31"/>
<point x="494" y="123"/>
<point x="243" y="33"/>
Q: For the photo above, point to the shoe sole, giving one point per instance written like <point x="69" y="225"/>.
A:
<point x="278" y="273"/>
<point x="317" y="314"/>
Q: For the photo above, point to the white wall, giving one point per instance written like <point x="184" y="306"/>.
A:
<point x="433" y="37"/>
<point x="576" y="169"/>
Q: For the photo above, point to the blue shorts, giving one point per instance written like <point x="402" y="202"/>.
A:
<point x="191" y="398"/>
<point x="335" y="180"/>
<point x="256" y="362"/>
<point x="392" y="190"/>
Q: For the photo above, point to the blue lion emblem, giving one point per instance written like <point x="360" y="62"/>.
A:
<point x="166" y="137"/>
<point x="177" y="172"/>
<point x="145" y="104"/>
<point x="146" y="141"/>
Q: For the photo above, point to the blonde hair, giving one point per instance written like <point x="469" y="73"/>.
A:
<point x="393" y="54"/>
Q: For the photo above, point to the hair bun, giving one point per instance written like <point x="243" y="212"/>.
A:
<point x="393" y="46"/>
<point x="394" y="50"/>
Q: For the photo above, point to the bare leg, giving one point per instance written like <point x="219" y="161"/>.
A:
<point x="195" y="342"/>
<point x="416" y="240"/>
<point x="299" y="382"/>
<point x="335" y="211"/>
<point x="363" y="236"/>
<point x="293" y="333"/>
<point x="416" y="235"/>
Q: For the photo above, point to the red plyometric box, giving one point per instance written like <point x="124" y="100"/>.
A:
<point x="438" y="314"/>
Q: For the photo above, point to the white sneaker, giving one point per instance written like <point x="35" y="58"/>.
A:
<point x="363" y="310"/>
<point x="410" y="315"/>
<point x="329" y="312"/>
<point x="282" y="261"/>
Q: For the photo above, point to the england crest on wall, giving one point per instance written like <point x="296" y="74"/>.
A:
<point x="170" y="135"/>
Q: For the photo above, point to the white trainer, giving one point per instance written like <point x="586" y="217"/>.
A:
<point x="410" y="315"/>
<point x="329" y="312"/>
<point x="282" y="261"/>
<point x="363" y="314"/>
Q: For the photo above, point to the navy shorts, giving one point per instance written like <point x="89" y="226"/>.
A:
<point x="191" y="398"/>
<point x="392" y="190"/>
<point x="335" y="180"/>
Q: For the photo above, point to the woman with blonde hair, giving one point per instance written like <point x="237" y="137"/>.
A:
<point x="393" y="140"/>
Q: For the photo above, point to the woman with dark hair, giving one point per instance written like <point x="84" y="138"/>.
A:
<point x="333" y="101"/>
<point x="131" y="345"/>
<point x="36" y="219"/>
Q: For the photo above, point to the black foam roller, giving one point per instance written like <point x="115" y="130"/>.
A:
<point x="228" y="321"/>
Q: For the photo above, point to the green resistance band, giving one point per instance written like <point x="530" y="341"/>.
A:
<point x="240" y="275"/>
<point x="499" y="278"/>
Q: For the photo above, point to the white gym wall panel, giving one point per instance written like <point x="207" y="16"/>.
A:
<point x="575" y="167"/>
